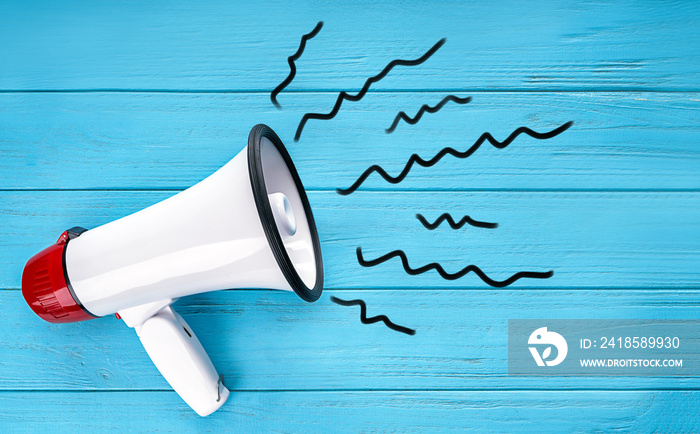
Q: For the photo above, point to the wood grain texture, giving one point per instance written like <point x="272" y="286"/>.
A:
<point x="343" y="411"/>
<point x="619" y="140"/>
<point x="548" y="45"/>
<point x="270" y="340"/>
<point x="590" y="240"/>
<point x="109" y="107"/>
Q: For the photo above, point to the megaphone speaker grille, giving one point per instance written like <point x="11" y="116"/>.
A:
<point x="298" y="252"/>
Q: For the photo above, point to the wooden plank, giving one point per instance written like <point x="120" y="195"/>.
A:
<point x="618" y="141"/>
<point x="243" y="46"/>
<point x="345" y="411"/>
<point x="612" y="205"/>
<point x="269" y="340"/>
<point x="589" y="240"/>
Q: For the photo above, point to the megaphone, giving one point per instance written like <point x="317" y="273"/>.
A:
<point x="248" y="225"/>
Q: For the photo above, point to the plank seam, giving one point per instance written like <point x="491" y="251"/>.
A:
<point x="359" y="390"/>
<point x="390" y="90"/>
<point x="655" y="289"/>
<point x="398" y="190"/>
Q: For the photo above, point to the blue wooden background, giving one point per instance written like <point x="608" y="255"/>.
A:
<point x="109" y="107"/>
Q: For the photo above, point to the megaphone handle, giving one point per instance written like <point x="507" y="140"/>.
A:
<point x="181" y="359"/>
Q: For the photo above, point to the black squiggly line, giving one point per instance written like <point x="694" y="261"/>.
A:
<point x="428" y="163"/>
<point x="345" y="96"/>
<point x="450" y="276"/>
<point x="453" y="224"/>
<point x="292" y="67"/>
<point x="425" y="108"/>
<point x="365" y="320"/>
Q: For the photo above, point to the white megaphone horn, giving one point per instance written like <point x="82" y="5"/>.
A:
<point x="248" y="225"/>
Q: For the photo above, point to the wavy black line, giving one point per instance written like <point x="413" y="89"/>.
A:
<point x="450" y="276"/>
<point x="455" y="225"/>
<point x="425" y="108"/>
<point x="292" y="67"/>
<point x="365" y="320"/>
<point x="428" y="163"/>
<point x="345" y="96"/>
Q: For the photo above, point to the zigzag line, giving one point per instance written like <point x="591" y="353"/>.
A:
<point x="292" y="66"/>
<point x="345" y="96"/>
<point x="453" y="225"/>
<point x="428" y="163"/>
<point x="450" y="276"/>
<point x="365" y="320"/>
<point x="425" y="108"/>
